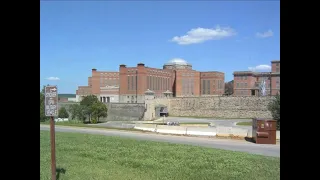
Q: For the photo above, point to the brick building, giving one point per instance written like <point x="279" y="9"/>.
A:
<point x="103" y="84"/>
<point x="135" y="84"/>
<point x="246" y="83"/>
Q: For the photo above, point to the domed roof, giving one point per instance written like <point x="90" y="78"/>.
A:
<point x="177" y="61"/>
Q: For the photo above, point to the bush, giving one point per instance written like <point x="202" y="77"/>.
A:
<point x="43" y="117"/>
<point x="274" y="107"/>
<point x="63" y="113"/>
<point x="94" y="121"/>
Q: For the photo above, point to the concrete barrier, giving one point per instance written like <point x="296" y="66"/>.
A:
<point x="171" y="129"/>
<point x="146" y="127"/>
<point x="277" y="136"/>
<point x="201" y="131"/>
<point x="224" y="131"/>
<point x="239" y="132"/>
<point x="198" y="131"/>
<point x="61" y="119"/>
<point x="230" y="131"/>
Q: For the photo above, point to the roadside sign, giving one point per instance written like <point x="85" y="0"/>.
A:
<point x="51" y="101"/>
<point x="51" y="109"/>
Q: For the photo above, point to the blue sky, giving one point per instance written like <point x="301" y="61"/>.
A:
<point x="76" y="36"/>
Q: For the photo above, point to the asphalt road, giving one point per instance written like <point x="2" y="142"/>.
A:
<point x="234" y="145"/>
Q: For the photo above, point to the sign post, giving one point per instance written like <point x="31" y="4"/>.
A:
<point x="51" y="110"/>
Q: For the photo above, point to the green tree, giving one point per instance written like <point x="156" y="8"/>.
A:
<point x="63" y="113"/>
<point x="81" y="113"/>
<point x="228" y="88"/>
<point x="42" y="112"/>
<point x="99" y="110"/>
<point x="42" y="106"/>
<point x="87" y="103"/>
<point x="73" y="110"/>
<point x="274" y="108"/>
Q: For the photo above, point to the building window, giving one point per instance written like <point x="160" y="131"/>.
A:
<point x="237" y="85"/>
<point x="245" y="78"/>
<point x="203" y="87"/>
<point x="278" y="82"/>
<point x="245" y="85"/>
<point x="192" y="86"/>
<point x="147" y="82"/>
<point x="208" y="86"/>
<point x="128" y="78"/>
<point x="162" y="83"/>
<point x="277" y="69"/>
<point x="132" y="82"/>
<point x="157" y="83"/>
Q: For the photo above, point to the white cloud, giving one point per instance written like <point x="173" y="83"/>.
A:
<point x="53" y="78"/>
<point x="200" y="35"/>
<point x="260" y="68"/>
<point x="266" y="34"/>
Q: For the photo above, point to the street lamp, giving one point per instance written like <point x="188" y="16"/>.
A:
<point x="136" y="86"/>
<point x="270" y="80"/>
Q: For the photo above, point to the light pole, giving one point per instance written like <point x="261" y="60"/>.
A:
<point x="136" y="86"/>
<point x="270" y="84"/>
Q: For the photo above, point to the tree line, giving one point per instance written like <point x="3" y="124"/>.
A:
<point x="90" y="110"/>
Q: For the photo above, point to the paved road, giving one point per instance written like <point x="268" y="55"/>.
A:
<point x="235" y="145"/>
<point x="217" y="122"/>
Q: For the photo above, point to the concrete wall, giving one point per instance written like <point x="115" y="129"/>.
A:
<point x="72" y="99"/>
<point x="215" y="106"/>
<point x="125" y="112"/>
<point x="118" y="111"/>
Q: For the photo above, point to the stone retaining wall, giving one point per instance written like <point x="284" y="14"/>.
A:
<point x="217" y="107"/>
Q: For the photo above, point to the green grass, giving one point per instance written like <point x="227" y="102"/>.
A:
<point x="97" y="157"/>
<point x="244" y="123"/>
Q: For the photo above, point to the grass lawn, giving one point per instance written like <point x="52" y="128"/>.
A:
<point x="97" y="157"/>
<point x="244" y="123"/>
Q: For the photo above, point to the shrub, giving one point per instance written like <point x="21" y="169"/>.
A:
<point x="63" y="113"/>
<point x="274" y="107"/>
<point x="94" y="121"/>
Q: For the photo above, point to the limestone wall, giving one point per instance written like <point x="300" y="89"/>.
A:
<point x="125" y="112"/>
<point x="217" y="107"/>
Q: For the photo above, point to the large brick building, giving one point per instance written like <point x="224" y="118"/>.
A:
<point x="103" y="84"/>
<point x="246" y="83"/>
<point x="135" y="84"/>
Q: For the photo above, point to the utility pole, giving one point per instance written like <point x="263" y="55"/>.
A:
<point x="136" y="86"/>
<point x="270" y="85"/>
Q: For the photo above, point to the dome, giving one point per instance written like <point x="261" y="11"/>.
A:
<point x="177" y="61"/>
